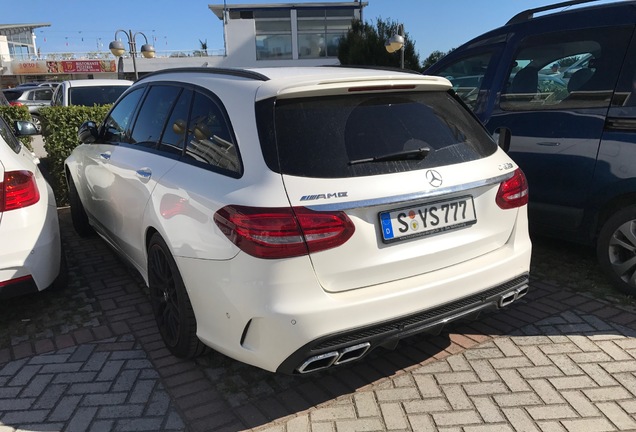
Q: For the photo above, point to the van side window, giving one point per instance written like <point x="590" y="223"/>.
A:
<point x="117" y="122"/>
<point x="467" y="76"/>
<point x="565" y="70"/>
<point x="625" y="94"/>
<point x="209" y="139"/>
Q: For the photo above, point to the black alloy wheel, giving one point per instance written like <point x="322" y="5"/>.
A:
<point x="616" y="249"/>
<point x="170" y="302"/>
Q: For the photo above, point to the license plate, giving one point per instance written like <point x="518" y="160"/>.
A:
<point x="428" y="218"/>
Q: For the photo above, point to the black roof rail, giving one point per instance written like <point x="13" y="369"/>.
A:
<point x="243" y="73"/>
<point x="527" y="15"/>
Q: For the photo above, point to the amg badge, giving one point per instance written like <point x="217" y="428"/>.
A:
<point x="324" y="196"/>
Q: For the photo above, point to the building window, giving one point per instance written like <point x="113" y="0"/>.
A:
<point x="273" y="34"/>
<point x="320" y="31"/>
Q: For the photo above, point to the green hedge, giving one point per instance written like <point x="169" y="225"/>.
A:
<point x="13" y="113"/>
<point x="59" y="130"/>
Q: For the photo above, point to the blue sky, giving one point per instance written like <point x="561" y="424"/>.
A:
<point x="89" y="25"/>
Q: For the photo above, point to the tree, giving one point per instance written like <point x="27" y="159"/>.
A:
<point x="204" y="47"/>
<point x="363" y="45"/>
<point x="433" y="58"/>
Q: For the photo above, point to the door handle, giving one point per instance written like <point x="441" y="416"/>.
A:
<point x="549" y="143"/>
<point x="105" y="155"/>
<point x="144" y="173"/>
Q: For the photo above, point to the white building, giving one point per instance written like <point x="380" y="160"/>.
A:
<point x="255" y="35"/>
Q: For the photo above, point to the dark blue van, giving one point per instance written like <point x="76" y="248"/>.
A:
<point x="563" y="86"/>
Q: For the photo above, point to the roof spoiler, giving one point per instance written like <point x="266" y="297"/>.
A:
<point x="529" y="14"/>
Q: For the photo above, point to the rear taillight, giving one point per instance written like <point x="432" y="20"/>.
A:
<point x="513" y="192"/>
<point x="16" y="103"/>
<point x="23" y="279"/>
<point x="18" y="190"/>
<point x="283" y="232"/>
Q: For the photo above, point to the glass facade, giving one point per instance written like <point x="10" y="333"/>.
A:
<point x="20" y="44"/>
<point x="273" y="34"/>
<point x="303" y="33"/>
<point x="320" y="30"/>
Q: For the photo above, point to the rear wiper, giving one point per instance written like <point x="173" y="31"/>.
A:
<point x="419" y="153"/>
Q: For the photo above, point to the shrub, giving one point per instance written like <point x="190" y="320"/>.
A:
<point x="13" y="113"/>
<point x="59" y="130"/>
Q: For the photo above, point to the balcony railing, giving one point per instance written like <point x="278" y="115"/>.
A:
<point x="103" y="55"/>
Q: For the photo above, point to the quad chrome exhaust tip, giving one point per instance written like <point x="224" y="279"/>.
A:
<point x="334" y="358"/>
<point x="512" y="296"/>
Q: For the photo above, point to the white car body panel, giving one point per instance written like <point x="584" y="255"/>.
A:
<point x="373" y="262"/>
<point x="31" y="243"/>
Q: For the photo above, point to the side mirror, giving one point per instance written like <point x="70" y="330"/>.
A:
<point x="24" y="128"/>
<point x="503" y="137"/>
<point x="87" y="133"/>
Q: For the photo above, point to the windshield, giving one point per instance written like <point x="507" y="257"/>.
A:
<point x="327" y="137"/>
<point x="98" y="95"/>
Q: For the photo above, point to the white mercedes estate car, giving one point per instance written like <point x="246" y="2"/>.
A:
<point x="297" y="218"/>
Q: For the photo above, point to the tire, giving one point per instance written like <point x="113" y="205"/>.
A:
<point x="616" y="249"/>
<point x="170" y="302"/>
<point x="78" y="214"/>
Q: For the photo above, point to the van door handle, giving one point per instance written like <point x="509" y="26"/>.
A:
<point x="549" y="143"/>
<point x="144" y="173"/>
<point x="105" y="155"/>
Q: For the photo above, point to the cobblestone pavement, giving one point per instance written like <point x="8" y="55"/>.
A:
<point x="89" y="357"/>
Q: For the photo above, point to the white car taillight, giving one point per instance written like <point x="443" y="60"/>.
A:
<point x="18" y="190"/>
<point x="513" y="192"/>
<point x="283" y="232"/>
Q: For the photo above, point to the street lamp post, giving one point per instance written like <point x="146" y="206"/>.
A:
<point x="118" y="50"/>
<point x="396" y="42"/>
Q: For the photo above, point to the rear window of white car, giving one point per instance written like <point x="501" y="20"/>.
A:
<point x="98" y="95"/>
<point x="331" y="137"/>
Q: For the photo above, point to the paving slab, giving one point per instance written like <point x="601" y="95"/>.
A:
<point x="89" y="357"/>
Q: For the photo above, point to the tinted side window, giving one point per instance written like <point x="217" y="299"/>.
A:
<point x="44" y="94"/>
<point x="625" y="95"/>
<point x="8" y="137"/>
<point x="209" y="139"/>
<point x="57" y="96"/>
<point x="467" y="76"/>
<point x="541" y="78"/>
<point x="173" y="139"/>
<point x="153" y="115"/>
<point x="119" y="119"/>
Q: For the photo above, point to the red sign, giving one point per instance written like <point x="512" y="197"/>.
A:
<point x="86" y="66"/>
<point x="41" y="67"/>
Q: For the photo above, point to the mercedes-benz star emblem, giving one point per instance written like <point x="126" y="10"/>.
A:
<point x="434" y="178"/>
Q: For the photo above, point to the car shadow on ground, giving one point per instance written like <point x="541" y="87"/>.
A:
<point x="104" y="293"/>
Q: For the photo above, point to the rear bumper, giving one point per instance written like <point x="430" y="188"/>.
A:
<point x="273" y="315"/>
<point x="19" y="287"/>
<point x="339" y="348"/>
<point x="31" y="246"/>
